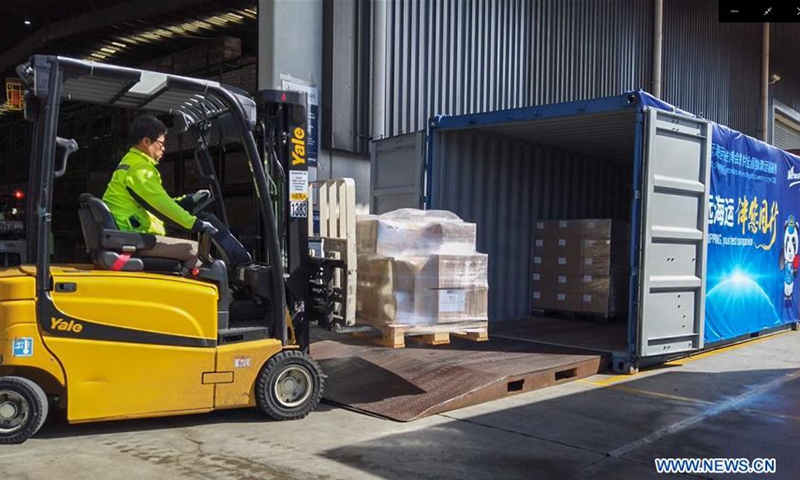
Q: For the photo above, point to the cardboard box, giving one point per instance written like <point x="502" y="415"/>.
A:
<point x="376" y="303"/>
<point x="413" y="237"/>
<point x="568" y="283"/>
<point x="596" y="266"/>
<point x="607" y="305"/>
<point x="555" y="247"/>
<point x="605" y="295"/>
<point x="554" y="296"/>
<point x="455" y="271"/>
<point x="448" y="305"/>
<point x="446" y="232"/>
<point x="568" y="302"/>
<point x="546" y="281"/>
<point x="557" y="229"/>
<point x="617" y="251"/>
<point x="543" y="300"/>
<point x="603" y="283"/>
<point x="569" y="264"/>
<point x="607" y="229"/>
<point x="601" y="228"/>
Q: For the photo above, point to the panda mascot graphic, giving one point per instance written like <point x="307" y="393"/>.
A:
<point x="789" y="259"/>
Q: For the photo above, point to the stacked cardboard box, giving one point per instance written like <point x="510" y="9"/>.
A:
<point x="419" y="268"/>
<point x="581" y="266"/>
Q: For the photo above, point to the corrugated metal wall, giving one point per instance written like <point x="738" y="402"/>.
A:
<point x="784" y="61"/>
<point x="710" y="68"/>
<point x="589" y="49"/>
<point x="468" y="56"/>
<point x="505" y="185"/>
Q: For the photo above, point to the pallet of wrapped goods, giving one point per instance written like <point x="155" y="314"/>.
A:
<point x="580" y="266"/>
<point x="420" y="277"/>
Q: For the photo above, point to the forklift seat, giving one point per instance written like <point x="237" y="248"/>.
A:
<point x="112" y="249"/>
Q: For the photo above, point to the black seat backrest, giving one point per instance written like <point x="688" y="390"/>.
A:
<point x="94" y="219"/>
<point x="101" y="233"/>
<point x="105" y="242"/>
<point x="99" y="211"/>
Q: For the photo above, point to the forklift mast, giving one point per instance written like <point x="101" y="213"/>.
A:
<point x="281" y="131"/>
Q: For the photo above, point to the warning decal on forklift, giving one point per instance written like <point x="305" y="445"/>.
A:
<point x="242" y="362"/>
<point x="299" y="209"/>
<point x="23" y="347"/>
<point x="298" y="186"/>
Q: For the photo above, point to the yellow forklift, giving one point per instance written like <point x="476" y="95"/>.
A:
<point x="134" y="337"/>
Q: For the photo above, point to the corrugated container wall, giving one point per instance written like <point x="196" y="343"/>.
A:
<point x="453" y="57"/>
<point x="710" y="68"/>
<point x="505" y="185"/>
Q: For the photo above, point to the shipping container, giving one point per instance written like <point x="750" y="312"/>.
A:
<point x="695" y="195"/>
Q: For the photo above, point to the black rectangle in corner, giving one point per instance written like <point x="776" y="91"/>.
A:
<point x="766" y="11"/>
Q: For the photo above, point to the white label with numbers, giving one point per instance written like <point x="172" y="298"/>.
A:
<point x="298" y="210"/>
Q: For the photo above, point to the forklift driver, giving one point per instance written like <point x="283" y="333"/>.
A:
<point x="139" y="203"/>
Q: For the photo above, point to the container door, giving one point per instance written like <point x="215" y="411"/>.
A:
<point x="676" y="188"/>
<point x="396" y="179"/>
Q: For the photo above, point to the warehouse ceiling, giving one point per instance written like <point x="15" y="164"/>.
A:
<point x="124" y="32"/>
<point x="145" y="27"/>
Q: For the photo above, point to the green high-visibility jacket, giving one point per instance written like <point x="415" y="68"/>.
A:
<point x="138" y="201"/>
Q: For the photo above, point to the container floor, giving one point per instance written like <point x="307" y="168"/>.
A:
<point x="593" y="335"/>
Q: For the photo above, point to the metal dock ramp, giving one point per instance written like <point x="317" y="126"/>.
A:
<point x="421" y="380"/>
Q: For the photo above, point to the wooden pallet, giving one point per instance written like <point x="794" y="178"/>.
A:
<point x="394" y="336"/>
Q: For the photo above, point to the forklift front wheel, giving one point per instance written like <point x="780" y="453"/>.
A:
<point x="289" y="386"/>
<point x="23" y="409"/>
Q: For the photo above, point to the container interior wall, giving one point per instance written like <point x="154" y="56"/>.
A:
<point x="505" y="185"/>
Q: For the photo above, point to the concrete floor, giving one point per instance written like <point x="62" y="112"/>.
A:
<point x="743" y="401"/>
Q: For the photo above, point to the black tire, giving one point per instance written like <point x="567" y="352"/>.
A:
<point x="23" y="409"/>
<point x="289" y="386"/>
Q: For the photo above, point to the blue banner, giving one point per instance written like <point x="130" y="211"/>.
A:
<point x="754" y="207"/>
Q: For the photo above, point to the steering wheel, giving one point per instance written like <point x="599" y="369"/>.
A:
<point x="201" y="205"/>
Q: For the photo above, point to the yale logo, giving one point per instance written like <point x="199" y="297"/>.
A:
<point x="299" y="149"/>
<point x="61" y="325"/>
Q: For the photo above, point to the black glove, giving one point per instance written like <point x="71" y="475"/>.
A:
<point x="202" y="226"/>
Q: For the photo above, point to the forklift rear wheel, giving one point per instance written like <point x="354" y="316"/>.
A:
<point x="290" y="386"/>
<point x="23" y="409"/>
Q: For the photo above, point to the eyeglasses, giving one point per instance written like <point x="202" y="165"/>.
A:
<point x="161" y="143"/>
